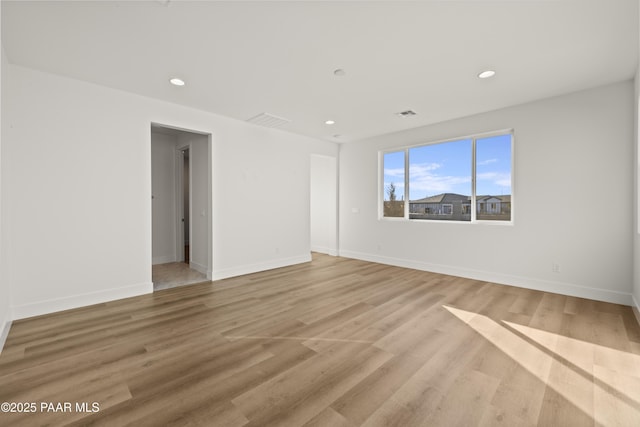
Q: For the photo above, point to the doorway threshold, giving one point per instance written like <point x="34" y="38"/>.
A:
<point x="174" y="274"/>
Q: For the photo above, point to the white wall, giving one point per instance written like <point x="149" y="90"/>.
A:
<point x="5" y="291"/>
<point x="324" y="219"/>
<point x="163" y="190"/>
<point x="573" y="200"/>
<point x="200" y="201"/>
<point x="78" y="191"/>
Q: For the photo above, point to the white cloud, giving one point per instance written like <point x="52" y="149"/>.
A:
<point x="487" y="162"/>
<point x="398" y="173"/>
<point x="496" y="179"/>
<point x="487" y="176"/>
<point x="431" y="185"/>
<point x="423" y="168"/>
<point x="426" y="183"/>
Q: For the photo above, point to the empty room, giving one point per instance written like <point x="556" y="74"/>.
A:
<point x="320" y="213"/>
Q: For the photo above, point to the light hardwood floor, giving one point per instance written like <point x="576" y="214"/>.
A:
<point x="334" y="342"/>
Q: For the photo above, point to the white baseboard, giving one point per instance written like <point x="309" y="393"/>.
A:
<point x="323" y="250"/>
<point x="4" y="331"/>
<point x="199" y="267"/>
<point x="263" y="266"/>
<point x="563" y="288"/>
<point x="82" y="300"/>
<point x="636" y="308"/>
<point x="163" y="259"/>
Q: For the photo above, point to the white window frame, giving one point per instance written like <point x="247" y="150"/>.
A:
<point x="473" y="205"/>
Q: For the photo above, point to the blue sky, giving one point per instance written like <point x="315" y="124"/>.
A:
<point x="493" y="165"/>
<point x="446" y="168"/>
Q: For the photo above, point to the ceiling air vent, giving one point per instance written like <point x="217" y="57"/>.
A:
<point x="407" y="113"/>
<point x="269" y="120"/>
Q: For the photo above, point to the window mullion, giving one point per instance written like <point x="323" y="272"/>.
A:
<point x="473" y="180"/>
<point x="406" y="183"/>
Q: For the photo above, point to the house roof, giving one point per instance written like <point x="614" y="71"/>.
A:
<point x="443" y="198"/>
<point x="454" y="197"/>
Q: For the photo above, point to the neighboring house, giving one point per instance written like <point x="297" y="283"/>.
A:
<point x="457" y="207"/>
<point x="445" y="206"/>
<point x="493" y="207"/>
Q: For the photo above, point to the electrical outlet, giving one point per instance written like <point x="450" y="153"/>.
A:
<point x="555" y="267"/>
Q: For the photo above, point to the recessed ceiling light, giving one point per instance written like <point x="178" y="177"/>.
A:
<point x="330" y="122"/>
<point x="176" y="81"/>
<point x="339" y="72"/>
<point x="486" y="74"/>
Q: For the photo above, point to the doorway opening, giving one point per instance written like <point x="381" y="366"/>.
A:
<point x="323" y="206"/>
<point x="186" y="201"/>
<point x="181" y="207"/>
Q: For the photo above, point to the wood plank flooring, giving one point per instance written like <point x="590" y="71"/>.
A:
<point x="335" y="342"/>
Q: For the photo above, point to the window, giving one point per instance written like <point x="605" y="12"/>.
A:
<point x="467" y="179"/>
<point x="393" y="199"/>
<point x="493" y="178"/>
<point x="440" y="179"/>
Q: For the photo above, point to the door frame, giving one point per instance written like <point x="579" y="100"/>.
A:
<point x="328" y="197"/>
<point x="209" y="186"/>
<point x="179" y="181"/>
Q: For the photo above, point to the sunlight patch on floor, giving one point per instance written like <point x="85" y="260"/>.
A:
<point x="587" y="375"/>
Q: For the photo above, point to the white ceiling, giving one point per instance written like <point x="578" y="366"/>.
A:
<point x="240" y="58"/>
